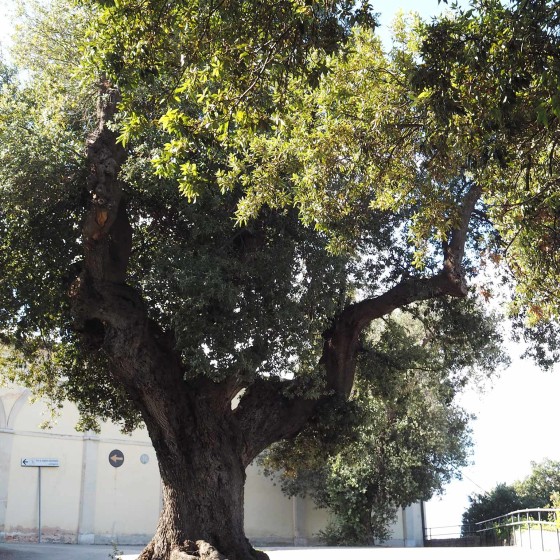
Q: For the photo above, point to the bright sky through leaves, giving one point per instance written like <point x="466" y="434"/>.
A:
<point x="516" y="415"/>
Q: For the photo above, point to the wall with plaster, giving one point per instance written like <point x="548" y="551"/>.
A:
<point x="87" y="500"/>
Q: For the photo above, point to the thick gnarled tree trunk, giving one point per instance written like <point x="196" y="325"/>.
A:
<point x="202" y="445"/>
<point x="203" y="480"/>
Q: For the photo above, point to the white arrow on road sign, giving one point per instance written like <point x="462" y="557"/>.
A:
<point x="116" y="458"/>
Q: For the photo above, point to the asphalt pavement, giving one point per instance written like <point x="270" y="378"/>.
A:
<point x="13" y="551"/>
<point x="17" y="551"/>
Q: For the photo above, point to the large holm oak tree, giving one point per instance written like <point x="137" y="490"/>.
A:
<point x="260" y="185"/>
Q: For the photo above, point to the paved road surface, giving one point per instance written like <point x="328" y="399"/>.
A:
<point x="45" y="551"/>
<point x="103" y="552"/>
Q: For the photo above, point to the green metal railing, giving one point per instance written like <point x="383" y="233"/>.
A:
<point x="537" y="529"/>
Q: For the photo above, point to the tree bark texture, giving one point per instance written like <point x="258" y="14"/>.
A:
<point x="202" y="445"/>
<point x="203" y="481"/>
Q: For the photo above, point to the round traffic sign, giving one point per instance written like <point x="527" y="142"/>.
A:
<point x="116" y="458"/>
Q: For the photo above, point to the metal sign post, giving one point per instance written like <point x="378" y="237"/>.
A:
<point x="39" y="463"/>
<point x="39" y="513"/>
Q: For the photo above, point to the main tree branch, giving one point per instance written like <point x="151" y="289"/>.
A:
<point x="266" y="414"/>
<point x="109" y="313"/>
<point x="107" y="233"/>
<point x="197" y="441"/>
<point x="341" y="340"/>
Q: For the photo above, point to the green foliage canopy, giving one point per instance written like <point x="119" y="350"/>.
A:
<point x="536" y="489"/>
<point x="489" y="78"/>
<point x="203" y="278"/>
<point x="500" y="500"/>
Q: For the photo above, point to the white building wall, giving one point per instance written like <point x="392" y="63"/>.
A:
<point x="408" y="530"/>
<point x="86" y="500"/>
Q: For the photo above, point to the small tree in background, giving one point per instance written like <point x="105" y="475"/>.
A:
<point x="537" y="489"/>
<point x="500" y="500"/>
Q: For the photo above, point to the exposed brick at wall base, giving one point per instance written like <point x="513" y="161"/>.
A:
<point x="48" y="535"/>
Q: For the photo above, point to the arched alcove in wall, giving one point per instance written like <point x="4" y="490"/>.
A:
<point x="12" y="400"/>
<point x="3" y="420"/>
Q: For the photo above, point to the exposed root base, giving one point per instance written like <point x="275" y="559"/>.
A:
<point x="199" y="550"/>
<point x="260" y="555"/>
